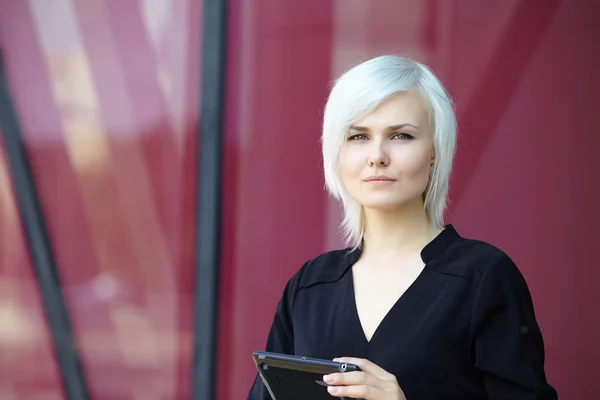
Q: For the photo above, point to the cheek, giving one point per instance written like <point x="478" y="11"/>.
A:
<point x="415" y="166"/>
<point x="351" y="163"/>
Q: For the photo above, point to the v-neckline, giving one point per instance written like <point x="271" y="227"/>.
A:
<point x="442" y="241"/>
<point x="400" y="299"/>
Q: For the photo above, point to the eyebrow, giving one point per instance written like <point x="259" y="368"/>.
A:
<point x="389" y="128"/>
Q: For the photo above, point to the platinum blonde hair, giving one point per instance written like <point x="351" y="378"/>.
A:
<point x="358" y="92"/>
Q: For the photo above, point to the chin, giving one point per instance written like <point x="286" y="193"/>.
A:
<point x="387" y="203"/>
<point x="383" y="205"/>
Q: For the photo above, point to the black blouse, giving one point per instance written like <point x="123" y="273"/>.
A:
<point x="465" y="329"/>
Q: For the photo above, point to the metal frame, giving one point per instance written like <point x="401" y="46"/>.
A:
<point x="39" y="247"/>
<point x="208" y="220"/>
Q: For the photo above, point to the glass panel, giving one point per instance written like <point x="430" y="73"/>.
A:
<point x="28" y="368"/>
<point x="106" y="93"/>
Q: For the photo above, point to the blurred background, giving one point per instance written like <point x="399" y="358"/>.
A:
<point x="111" y="101"/>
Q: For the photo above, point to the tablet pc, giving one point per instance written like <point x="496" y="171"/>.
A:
<point x="290" y="377"/>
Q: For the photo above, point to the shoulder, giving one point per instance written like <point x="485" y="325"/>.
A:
<point x="325" y="268"/>
<point x="473" y="259"/>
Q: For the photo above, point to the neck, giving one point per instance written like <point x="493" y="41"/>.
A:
<point x="399" y="233"/>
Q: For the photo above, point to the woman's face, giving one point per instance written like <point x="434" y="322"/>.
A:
<point x="387" y="158"/>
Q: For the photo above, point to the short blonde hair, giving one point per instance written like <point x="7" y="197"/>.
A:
<point x="356" y="93"/>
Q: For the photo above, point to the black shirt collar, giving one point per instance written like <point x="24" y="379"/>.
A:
<point x="331" y="266"/>
<point x="439" y="243"/>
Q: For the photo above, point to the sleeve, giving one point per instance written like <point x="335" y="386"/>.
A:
<point x="281" y="334"/>
<point x="506" y="338"/>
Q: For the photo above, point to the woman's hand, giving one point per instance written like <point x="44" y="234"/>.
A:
<point x="370" y="383"/>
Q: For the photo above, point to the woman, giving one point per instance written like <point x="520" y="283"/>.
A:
<point x="424" y="312"/>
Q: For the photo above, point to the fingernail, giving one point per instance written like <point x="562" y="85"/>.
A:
<point x="327" y="378"/>
<point x="332" y="389"/>
<point x="337" y="359"/>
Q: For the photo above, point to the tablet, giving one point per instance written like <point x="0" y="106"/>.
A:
<point x="297" y="378"/>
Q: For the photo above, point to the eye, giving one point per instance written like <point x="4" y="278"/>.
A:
<point x="403" y="136"/>
<point x="359" y="136"/>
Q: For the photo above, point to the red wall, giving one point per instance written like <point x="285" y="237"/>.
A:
<point x="274" y="206"/>
<point x="523" y="75"/>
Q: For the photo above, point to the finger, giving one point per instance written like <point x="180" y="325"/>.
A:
<point x="357" y="392"/>
<point x="365" y="365"/>
<point x="354" y="378"/>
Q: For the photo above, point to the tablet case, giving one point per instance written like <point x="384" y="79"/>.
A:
<point x="290" y="377"/>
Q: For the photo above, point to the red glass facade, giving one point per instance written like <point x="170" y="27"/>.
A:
<point x="28" y="367"/>
<point x="106" y="94"/>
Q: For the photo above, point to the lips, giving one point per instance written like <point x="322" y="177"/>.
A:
<point x="379" y="178"/>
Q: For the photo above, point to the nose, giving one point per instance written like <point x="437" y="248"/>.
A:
<point x="378" y="156"/>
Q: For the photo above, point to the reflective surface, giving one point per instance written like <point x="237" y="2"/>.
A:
<point x="523" y="75"/>
<point x="28" y="368"/>
<point x="106" y="94"/>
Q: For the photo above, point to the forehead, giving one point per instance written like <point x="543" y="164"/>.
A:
<point x="408" y="107"/>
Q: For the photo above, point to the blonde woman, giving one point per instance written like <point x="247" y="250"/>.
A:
<point x="424" y="312"/>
